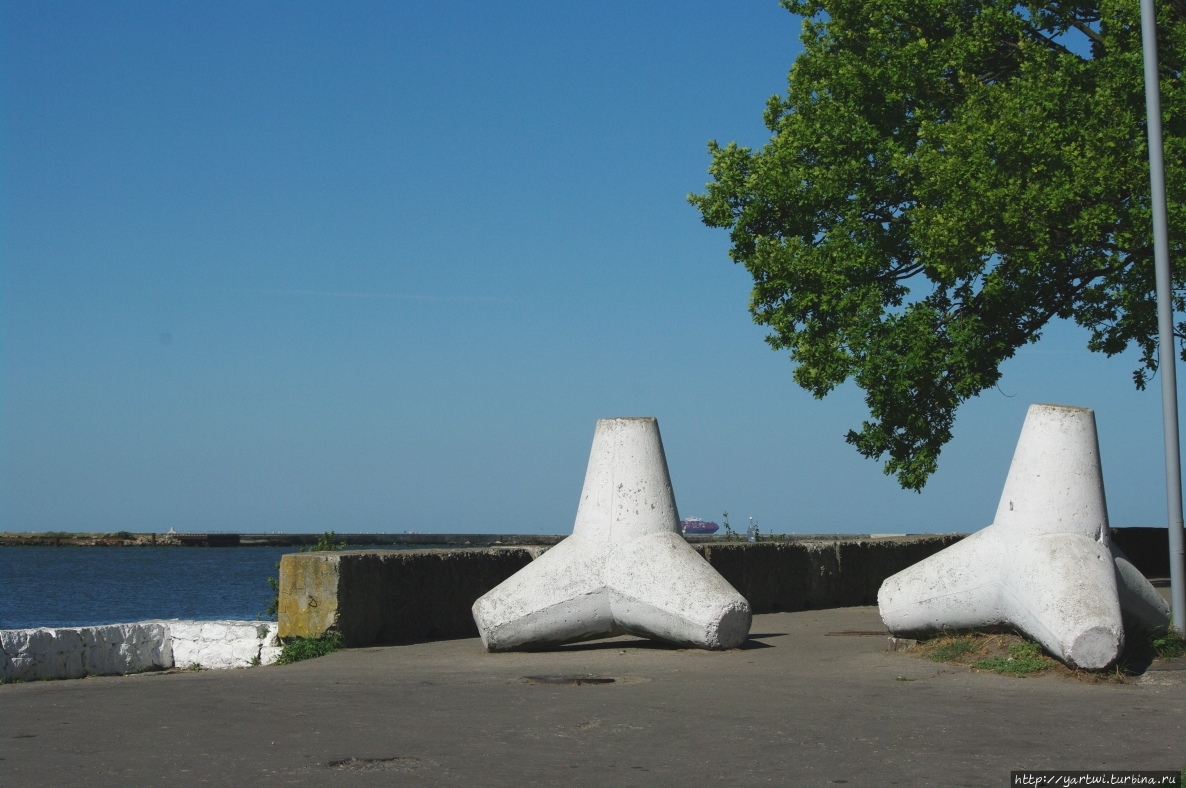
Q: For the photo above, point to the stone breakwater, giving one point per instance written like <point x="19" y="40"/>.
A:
<point x="118" y="649"/>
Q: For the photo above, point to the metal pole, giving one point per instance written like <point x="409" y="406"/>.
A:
<point x="1167" y="355"/>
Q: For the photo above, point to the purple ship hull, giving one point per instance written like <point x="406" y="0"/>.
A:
<point x="694" y="525"/>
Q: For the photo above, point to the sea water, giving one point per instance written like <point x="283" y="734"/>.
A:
<point x="81" y="586"/>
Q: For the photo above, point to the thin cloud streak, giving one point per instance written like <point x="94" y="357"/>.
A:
<point x="386" y="296"/>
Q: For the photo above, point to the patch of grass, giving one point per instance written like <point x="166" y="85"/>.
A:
<point x="1014" y="655"/>
<point x="950" y="648"/>
<point x="1143" y="646"/>
<point x="1025" y="659"/>
<point x="300" y="649"/>
<point x="1004" y="653"/>
<point x="1168" y="644"/>
<point x="1165" y="643"/>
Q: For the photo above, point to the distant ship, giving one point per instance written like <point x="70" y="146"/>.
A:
<point x="694" y="525"/>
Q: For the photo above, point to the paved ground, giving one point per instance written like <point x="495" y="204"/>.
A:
<point x="794" y="707"/>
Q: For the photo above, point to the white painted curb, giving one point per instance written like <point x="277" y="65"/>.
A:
<point x="119" y="649"/>
<point x="1045" y="566"/>
<point x="625" y="569"/>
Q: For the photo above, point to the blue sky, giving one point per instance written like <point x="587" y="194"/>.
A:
<point x="381" y="267"/>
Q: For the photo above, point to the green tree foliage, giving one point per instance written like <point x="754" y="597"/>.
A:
<point x="327" y="541"/>
<point x="944" y="178"/>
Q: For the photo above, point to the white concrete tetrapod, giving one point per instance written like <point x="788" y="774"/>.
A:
<point x="1046" y="566"/>
<point x="625" y="569"/>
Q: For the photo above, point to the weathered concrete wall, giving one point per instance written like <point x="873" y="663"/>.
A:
<point x="808" y="575"/>
<point x="118" y="649"/>
<point x="391" y="596"/>
<point x="1147" y="548"/>
<point x="308" y="594"/>
<point x="379" y="597"/>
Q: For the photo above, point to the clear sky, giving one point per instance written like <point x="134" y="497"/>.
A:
<point x="381" y="267"/>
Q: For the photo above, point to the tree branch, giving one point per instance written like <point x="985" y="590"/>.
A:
<point x="1050" y="42"/>
<point x="1087" y="31"/>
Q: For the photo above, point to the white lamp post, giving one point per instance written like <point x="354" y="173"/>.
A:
<point x="1167" y="354"/>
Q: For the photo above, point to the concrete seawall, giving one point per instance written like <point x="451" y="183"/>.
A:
<point x="391" y="596"/>
<point x="778" y="577"/>
<point x="377" y="597"/>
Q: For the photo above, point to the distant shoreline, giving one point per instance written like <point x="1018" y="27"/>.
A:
<point x="215" y="539"/>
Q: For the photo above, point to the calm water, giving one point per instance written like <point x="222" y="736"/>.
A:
<point x="76" y="586"/>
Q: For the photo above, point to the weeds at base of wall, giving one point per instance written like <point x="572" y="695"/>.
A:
<point x="150" y="670"/>
<point x="1160" y="643"/>
<point x="42" y="678"/>
<point x="300" y="649"/>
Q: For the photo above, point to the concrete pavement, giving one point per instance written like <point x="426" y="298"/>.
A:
<point x="792" y="707"/>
